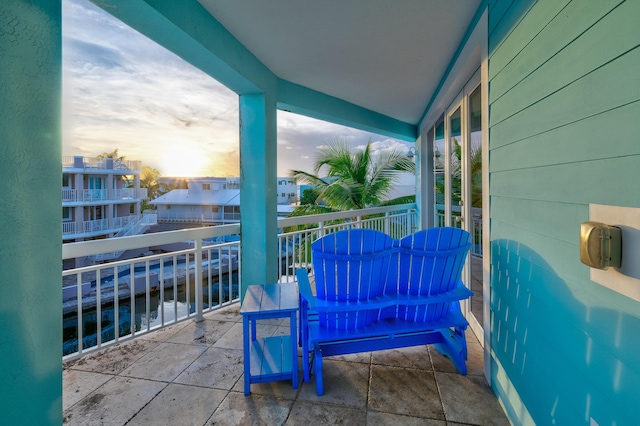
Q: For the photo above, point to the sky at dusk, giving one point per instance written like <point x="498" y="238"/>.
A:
<point x="121" y="90"/>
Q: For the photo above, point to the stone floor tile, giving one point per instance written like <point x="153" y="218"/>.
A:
<point x="475" y="359"/>
<point x="416" y="357"/>
<point x="469" y="399"/>
<point x="238" y="409"/>
<point x="441" y="362"/>
<point x="345" y="383"/>
<point x="113" y="403"/>
<point x="387" y="419"/>
<point x="232" y="313"/>
<point x="164" y="333"/>
<point x="180" y="405"/>
<point x="205" y="332"/>
<point x="280" y="389"/>
<point x="308" y="413"/>
<point x="362" y="357"/>
<point x="405" y="391"/>
<point x="78" y="384"/>
<point x="164" y="363"/>
<point x="216" y="368"/>
<point x="113" y="359"/>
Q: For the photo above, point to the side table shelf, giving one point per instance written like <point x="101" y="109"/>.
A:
<point x="272" y="358"/>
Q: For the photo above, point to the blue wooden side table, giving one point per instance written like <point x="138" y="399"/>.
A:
<point x="270" y="358"/>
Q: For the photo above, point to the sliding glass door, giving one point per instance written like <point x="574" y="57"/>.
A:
<point x="458" y="186"/>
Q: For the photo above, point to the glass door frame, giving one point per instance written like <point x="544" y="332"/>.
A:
<point x="461" y="103"/>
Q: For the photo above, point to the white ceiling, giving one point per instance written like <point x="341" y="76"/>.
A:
<point x="384" y="55"/>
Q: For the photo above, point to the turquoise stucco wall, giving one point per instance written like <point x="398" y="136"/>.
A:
<point x="30" y="231"/>
<point x="564" y="99"/>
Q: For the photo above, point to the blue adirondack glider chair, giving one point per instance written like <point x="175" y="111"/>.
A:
<point x="373" y="292"/>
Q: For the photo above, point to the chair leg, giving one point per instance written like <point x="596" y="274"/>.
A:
<point x="454" y="346"/>
<point x="317" y="366"/>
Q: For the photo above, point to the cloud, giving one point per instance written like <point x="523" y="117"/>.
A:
<point x="122" y="90"/>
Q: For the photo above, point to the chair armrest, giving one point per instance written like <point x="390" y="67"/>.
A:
<point x="304" y="287"/>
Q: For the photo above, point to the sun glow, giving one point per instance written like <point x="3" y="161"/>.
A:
<point x="186" y="161"/>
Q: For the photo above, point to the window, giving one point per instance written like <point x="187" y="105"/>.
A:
<point x="66" y="181"/>
<point x="206" y="187"/>
<point x="66" y="213"/>
<point x="215" y="209"/>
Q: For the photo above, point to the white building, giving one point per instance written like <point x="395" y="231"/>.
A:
<point x="214" y="200"/>
<point x="96" y="199"/>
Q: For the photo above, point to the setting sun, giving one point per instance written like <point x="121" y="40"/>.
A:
<point x="186" y="161"/>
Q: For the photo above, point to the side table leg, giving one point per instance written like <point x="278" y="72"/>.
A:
<point x="294" y="350"/>
<point x="247" y="354"/>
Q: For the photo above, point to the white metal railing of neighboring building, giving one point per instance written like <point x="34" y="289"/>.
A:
<point x="94" y="195"/>
<point x="184" y="273"/>
<point x="100" y="163"/>
<point x="95" y="227"/>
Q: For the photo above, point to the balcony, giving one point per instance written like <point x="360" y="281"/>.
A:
<point x="70" y="162"/>
<point x="191" y="373"/>
<point x="76" y="197"/>
<point x="92" y="228"/>
<point x="159" y="367"/>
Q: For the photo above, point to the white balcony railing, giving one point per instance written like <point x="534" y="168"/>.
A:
<point x="101" y="164"/>
<point x="197" y="217"/>
<point x="100" y="195"/>
<point x="89" y="228"/>
<point x="185" y="273"/>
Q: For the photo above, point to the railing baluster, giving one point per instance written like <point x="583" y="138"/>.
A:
<point x="198" y="279"/>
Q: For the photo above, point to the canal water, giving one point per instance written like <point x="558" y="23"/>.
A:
<point x="171" y="305"/>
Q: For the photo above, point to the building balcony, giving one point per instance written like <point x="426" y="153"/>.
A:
<point x="178" y="350"/>
<point x="79" y="197"/>
<point x="104" y="164"/>
<point x="191" y="373"/>
<point x="180" y="216"/>
<point x="94" y="228"/>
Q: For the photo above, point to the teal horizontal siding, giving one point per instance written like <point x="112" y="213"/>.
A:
<point x="611" y="181"/>
<point x="502" y="14"/>
<point x="522" y="34"/>
<point x="550" y="219"/>
<point x="544" y="327"/>
<point x="611" y="85"/>
<point x="571" y="142"/>
<point x="564" y="104"/>
<point x="532" y="76"/>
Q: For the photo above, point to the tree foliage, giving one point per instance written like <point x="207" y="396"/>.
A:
<point x="353" y="179"/>
<point x="114" y="155"/>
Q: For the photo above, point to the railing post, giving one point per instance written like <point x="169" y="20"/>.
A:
<point x="386" y="223"/>
<point x="198" y="280"/>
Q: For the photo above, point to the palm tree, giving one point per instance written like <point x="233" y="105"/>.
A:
<point x="114" y="155"/>
<point x="354" y="180"/>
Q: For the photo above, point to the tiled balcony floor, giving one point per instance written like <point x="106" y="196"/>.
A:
<point x="191" y="374"/>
